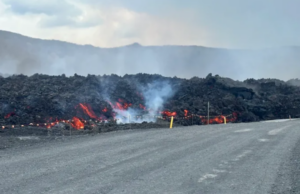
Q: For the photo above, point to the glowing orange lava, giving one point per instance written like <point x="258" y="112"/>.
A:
<point x="121" y="105"/>
<point x="77" y="123"/>
<point x="88" y="110"/>
<point x="218" y="119"/>
<point x="104" y="110"/>
<point x="186" y="113"/>
<point x="142" y="107"/>
<point x="49" y="126"/>
<point x="9" y="115"/>
<point x="169" y="114"/>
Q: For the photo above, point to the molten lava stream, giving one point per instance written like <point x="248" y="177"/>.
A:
<point x="186" y="113"/>
<point x="142" y="107"/>
<point x="9" y="115"/>
<point x="104" y="110"/>
<point x="88" y="110"/>
<point x="169" y="114"/>
<point x="77" y="123"/>
<point x="219" y="119"/>
<point x="49" y="126"/>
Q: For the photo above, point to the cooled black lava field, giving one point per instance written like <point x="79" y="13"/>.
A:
<point x="45" y="99"/>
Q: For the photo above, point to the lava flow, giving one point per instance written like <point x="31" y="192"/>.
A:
<point x="168" y="113"/>
<point x="88" y="110"/>
<point x="121" y="105"/>
<point x="218" y="119"/>
<point x="104" y="110"/>
<point x="142" y="107"/>
<point x="186" y="113"/>
<point x="9" y="115"/>
<point x="77" y="123"/>
<point x="49" y="126"/>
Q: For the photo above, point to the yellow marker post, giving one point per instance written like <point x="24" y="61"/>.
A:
<point x="225" y="120"/>
<point x="171" y="124"/>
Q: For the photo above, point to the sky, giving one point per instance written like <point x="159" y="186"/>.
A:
<point x="113" y="23"/>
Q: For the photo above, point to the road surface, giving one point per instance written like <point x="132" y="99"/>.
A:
<point x="247" y="158"/>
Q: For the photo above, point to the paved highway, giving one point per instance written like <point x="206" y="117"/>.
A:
<point x="249" y="158"/>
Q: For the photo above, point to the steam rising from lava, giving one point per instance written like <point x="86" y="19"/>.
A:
<point x="155" y="95"/>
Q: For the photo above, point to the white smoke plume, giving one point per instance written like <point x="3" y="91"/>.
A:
<point x="132" y="116"/>
<point x="155" y="95"/>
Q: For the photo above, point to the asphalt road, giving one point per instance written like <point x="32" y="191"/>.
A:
<point x="234" y="158"/>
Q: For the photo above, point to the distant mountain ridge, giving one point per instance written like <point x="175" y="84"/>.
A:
<point x="21" y="54"/>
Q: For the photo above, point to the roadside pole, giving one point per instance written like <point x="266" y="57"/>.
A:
<point x="192" y="119"/>
<point x="208" y="112"/>
<point x="171" y="123"/>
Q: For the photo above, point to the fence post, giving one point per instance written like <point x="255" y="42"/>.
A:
<point x="192" y="119"/>
<point x="129" y="121"/>
<point x="208" y="112"/>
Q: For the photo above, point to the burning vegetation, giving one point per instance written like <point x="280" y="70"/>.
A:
<point x="81" y="101"/>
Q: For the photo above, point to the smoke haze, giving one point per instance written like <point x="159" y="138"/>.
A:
<point x="24" y="55"/>
<point x="154" y="95"/>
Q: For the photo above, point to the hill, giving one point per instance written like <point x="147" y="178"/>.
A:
<point x="24" y="55"/>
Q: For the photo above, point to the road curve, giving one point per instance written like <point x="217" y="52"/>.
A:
<point x="260" y="157"/>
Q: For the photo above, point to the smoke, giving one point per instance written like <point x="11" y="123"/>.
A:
<point x="133" y="116"/>
<point x="29" y="56"/>
<point x="5" y="75"/>
<point x="155" y="95"/>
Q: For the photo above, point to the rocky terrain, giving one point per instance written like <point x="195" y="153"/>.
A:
<point x="46" y="99"/>
<point x="52" y="106"/>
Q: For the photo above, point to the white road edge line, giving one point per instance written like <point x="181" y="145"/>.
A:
<point x="219" y="171"/>
<point x="242" y="155"/>
<point x="243" y="130"/>
<point x="207" y="176"/>
<point x="277" y="120"/>
<point x="276" y="131"/>
<point x="263" y="140"/>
